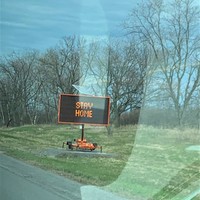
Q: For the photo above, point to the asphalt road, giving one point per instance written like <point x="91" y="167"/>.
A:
<point x="20" y="181"/>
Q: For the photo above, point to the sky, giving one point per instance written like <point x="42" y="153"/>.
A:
<point x="40" y="24"/>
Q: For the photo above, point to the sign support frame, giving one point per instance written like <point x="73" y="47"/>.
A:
<point x="82" y="132"/>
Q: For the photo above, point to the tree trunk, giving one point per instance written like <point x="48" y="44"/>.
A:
<point x="117" y="120"/>
<point x="2" y="114"/>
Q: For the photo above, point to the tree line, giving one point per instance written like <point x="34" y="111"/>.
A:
<point x="31" y="82"/>
<point x="156" y="65"/>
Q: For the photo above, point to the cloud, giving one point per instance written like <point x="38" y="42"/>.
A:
<point x="93" y="18"/>
<point x="31" y="22"/>
<point x="14" y="24"/>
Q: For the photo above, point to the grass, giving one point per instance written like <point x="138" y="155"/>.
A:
<point x="159" y="166"/>
<point x="27" y="143"/>
<point x="152" y="163"/>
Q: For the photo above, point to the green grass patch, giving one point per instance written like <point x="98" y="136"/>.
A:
<point x="27" y="142"/>
<point x="150" y="162"/>
<point x="160" y="167"/>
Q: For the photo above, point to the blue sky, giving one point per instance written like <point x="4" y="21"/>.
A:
<point x="40" y="24"/>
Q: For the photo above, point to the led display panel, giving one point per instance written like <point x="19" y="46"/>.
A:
<point x="81" y="109"/>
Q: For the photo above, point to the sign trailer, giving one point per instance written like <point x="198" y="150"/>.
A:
<point x="81" y="109"/>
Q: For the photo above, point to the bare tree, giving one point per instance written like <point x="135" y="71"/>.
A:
<point x="172" y="31"/>
<point x="118" y="69"/>
<point x="126" y="78"/>
<point x="60" y="68"/>
<point x="18" y="85"/>
<point x="95" y="61"/>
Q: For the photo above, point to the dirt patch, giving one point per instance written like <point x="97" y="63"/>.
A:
<point x="60" y="152"/>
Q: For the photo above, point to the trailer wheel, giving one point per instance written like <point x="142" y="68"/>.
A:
<point x="95" y="145"/>
<point x="69" y="143"/>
